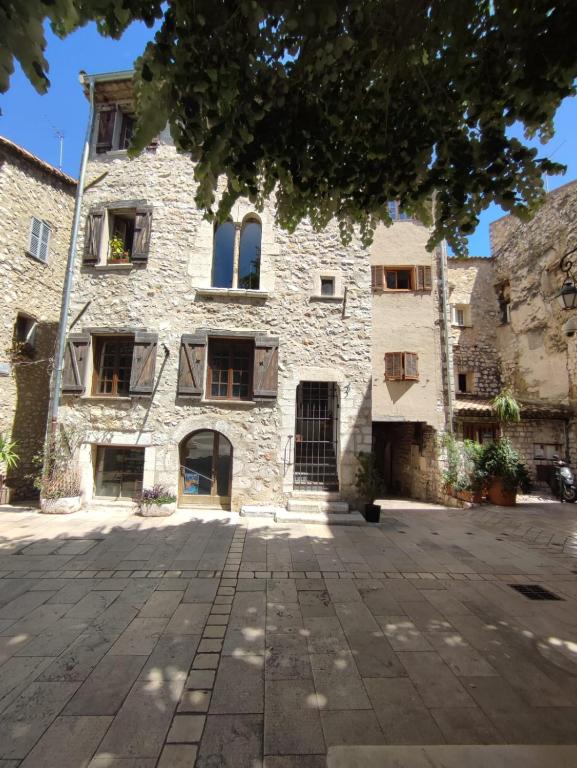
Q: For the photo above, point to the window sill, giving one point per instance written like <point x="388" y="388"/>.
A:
<point x="328" y="299"/>
<point x="36" y="259"/>
<point x="106" y="398"/>
<point x="230" y="403"/>
<point x="464" y="325"/>
<point x="114" y="267"/>
<point x="233" y="293"/>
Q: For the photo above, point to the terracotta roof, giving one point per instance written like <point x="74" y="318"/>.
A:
<point x="16" y="149"/>
<point x="477" y="406"/>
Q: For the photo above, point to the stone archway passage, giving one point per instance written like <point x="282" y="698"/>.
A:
<point x="205" y="470"/>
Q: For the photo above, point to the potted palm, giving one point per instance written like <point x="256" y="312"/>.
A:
<point x="157" y="501"/>
<point x="501" y="465"/>
<point x="8" y="460"/>
<point x="370" y="484"/>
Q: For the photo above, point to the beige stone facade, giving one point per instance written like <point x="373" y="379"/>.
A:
<point x="31" y="274"/>
<point x="170" y="296"/>
<point x="409" y="366"/>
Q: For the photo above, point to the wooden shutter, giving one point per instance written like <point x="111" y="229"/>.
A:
<point x="411" y="365"/>
<point x="191" y="366"/>
<point x="106" y="118"/>
<point x="424" y="281"/>
<point x="93" y="234"/>
<point x="75" y="361"/>
<point x="265" y="377"/>
<point x="143" y="363"/>
<point x="141" y="241"/>
<point x="393" y="366"/>
<point x="377" y="278"/>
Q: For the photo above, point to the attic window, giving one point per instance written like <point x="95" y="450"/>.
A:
<point x="115" y="128"/>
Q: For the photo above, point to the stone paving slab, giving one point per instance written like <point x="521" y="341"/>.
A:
<point x="231" y="642"/>
<point x="452" y="757"/>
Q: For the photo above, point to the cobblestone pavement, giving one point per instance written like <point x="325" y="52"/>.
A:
<point x="216" y="641"/>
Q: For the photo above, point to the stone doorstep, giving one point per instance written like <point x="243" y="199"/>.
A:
<point x="317" y="505"/>
<point x="306" y="513"/>
<point x="442" y="756"/>
<point x="321" y="518"/>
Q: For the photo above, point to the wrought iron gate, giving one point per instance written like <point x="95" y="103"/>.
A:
<point x="316" y="432"/>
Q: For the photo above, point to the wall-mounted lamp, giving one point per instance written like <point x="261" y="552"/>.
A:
<point x="567" y="296"/>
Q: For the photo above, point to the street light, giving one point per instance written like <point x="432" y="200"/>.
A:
<point x="567" y="296"/>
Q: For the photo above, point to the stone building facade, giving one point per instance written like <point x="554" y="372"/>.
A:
<point x="409" y="366"/>
<point x="230" y="364"/>
<point x="509" y="331"/>
<point x="36" y="205"/>
<point x="538" y="356"/>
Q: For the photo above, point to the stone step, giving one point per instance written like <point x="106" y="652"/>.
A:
<point x="317" y="505"/>
<point x="321" y="518"/>
<point x="260" y="510"/>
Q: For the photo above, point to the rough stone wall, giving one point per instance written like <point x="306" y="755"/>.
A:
<point x="415" y="458"/>
<point x="526" y="434"/>
<point x="538" y="360"/>
<point x="32" y="288"/>
<point x="472" y="284"/>
<point x="319" y="340"/>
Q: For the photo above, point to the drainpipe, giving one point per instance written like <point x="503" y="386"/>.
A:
<point x="446" y="334"/>
<point x="68" y="280"/>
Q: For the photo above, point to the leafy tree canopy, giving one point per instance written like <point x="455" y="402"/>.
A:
<point x="340" y="105"/>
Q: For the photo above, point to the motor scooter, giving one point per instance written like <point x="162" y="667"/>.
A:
<point x="562" y="481"/>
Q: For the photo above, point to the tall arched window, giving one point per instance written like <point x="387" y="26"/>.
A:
<point x="249" y="255"/>
<point x="223" y="255"/>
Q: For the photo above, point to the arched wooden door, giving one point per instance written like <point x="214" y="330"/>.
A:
<point x="205" y="470"/>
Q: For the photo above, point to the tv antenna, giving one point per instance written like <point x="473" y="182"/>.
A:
<point x="58" y="134"/>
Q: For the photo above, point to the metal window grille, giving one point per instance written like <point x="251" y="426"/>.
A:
<point x="316" y="432"/>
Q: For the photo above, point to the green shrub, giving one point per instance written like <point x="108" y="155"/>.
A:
<point x="501" y="460"/>
<point x="369" y="479"/>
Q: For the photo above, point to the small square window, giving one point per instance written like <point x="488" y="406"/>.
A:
<point x="327" y="286"/>
<point x="462" y="381"/>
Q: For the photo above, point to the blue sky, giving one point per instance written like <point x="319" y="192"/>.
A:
<point x="32" y="120"/>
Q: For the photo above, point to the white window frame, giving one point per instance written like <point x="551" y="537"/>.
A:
<point x="43" y="240"/>
<point x="461" y="312"/>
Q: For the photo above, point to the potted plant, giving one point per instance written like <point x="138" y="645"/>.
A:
<point x="453" y="463"/>
<point x="505" y="407"/>
<point x="118" y="253"/>
<point x="8" y="460"/>
<point x="157" y="501"/>
<point x="370" y="484"/>
<point x="501" y="464"/>
<point x="58" y="478"/>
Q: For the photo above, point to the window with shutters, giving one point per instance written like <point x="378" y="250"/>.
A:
<point x="112" y="365"/>
<point x="230" y="366"/>
<point x="385" y="278"/>
<point x="117" y="235"/>
<point x="115" y="125"/>
<point x="237" y="369"/>
<point x="39" y="239"/>
<point x="237" y="254"/>
<point x="401" y="366"/>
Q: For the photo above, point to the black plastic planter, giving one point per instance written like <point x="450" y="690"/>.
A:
<point x="372" y="513"/>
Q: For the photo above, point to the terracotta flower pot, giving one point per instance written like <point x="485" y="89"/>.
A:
<point x="500" y="495"/>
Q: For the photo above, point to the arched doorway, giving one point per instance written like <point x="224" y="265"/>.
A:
<point x="205" y="470"/>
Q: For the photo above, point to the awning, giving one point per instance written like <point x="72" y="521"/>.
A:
<point x="477" y="406"/>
